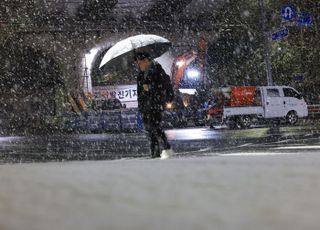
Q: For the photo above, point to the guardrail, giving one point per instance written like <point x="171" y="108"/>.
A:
<point x="102" y="121"/>
<point x="123" y="120"/>
<point x="313" y="111"/>
<point x="126" y="120"/>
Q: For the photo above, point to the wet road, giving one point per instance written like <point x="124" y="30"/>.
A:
<point x="188" y="141"/>
<point x="261" y="178"/>
<point x="242" y="191"/>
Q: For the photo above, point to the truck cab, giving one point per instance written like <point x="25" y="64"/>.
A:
<point x="283" y="101"/>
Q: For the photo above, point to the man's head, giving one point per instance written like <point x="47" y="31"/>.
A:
<point x="142" y="60"/>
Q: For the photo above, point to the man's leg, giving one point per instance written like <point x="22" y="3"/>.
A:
<point x="162" y="135"/>
<point x="154" y="144"/>
<point x="152" y="135"/>
<point x="167" y="151"/>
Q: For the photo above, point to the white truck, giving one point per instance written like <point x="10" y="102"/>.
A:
<point x="267" y="103"/>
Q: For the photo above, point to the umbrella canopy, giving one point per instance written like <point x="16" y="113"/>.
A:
<point x="121" y="55"/>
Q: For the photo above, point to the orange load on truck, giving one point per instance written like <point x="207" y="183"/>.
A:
<point x="236" y="96"/>
<point x="242" y="95"/>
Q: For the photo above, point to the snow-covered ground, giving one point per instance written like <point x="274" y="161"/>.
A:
<point x="242" y="191"/>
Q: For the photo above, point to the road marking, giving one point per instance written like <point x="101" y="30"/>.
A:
<point x="300" y="147"/>
<point x="257" y="154"/>
<point x="11" y="138"/>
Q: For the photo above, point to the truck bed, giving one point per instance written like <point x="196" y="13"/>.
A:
<point x="245" y="110"/>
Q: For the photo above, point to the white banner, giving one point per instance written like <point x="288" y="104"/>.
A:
<point x="127" y="94"/>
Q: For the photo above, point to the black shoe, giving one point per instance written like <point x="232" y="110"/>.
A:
<point x="155" y="156"/>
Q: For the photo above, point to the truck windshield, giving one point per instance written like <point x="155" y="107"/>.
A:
<point x="288" y="92"/>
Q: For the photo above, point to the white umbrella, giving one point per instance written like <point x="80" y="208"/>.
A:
<point x="122" y="53"/>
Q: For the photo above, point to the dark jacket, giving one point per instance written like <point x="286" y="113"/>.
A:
<point x="160" y="86"/>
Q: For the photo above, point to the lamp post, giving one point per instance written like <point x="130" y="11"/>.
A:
<point x="267" y="49"/>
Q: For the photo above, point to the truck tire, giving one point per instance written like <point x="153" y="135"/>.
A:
<point x="245" y="121"/>
<point x="292" y="117"/>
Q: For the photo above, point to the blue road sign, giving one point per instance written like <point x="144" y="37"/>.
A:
<point x="304" y="19"/>
<point x="297" y="77"/>
<point x="288" y="12"/>
<point x="280" y="34"/>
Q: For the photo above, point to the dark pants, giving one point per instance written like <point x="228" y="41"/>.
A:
<point x="152" y="121"/>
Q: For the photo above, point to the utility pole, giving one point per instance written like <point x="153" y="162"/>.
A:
<point x="267" y="48"/>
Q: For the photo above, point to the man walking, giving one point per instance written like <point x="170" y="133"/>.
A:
<point x="154" y="91"/>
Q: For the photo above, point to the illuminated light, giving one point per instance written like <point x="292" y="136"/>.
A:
<point x="193" y="73"/>
<point x="191" y="134"/>
<point x="169" y="105"/>
<point x="89" y="57"/>
<point x="180" y="63"/>
<point x="88" y="62"/>
<point x="188" y="91"/>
